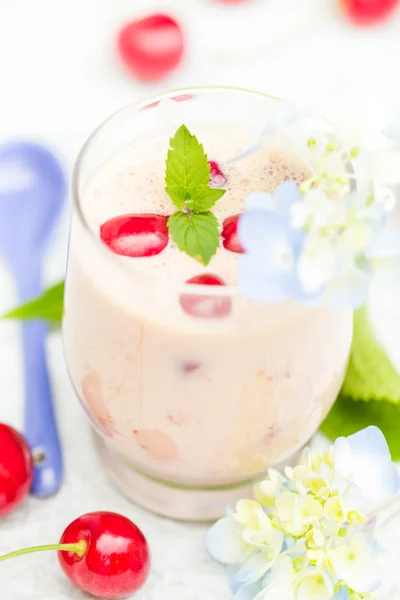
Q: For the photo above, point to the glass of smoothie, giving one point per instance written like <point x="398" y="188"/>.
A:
<point x="193" y="390"/>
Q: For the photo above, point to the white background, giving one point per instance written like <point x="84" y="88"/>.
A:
<point x="59" y="78"/>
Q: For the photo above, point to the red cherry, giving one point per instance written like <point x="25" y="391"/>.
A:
<point x="217" y="178"/>
<point x="230" y="238"/>
<point x="207" y="307"/>
<point x="151" y="47"/>
<point x="368" y="12"/>
<point x="16" y="468"/>
<point x="117" y="559"/>
<point x="136" y="235"/>
<point x="102" y="553"/>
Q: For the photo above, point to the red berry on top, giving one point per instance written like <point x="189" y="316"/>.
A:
<point x="368" y="12"/>
<point x="230" y="238"/>
<point x="203" y="306"/>
<point x="151" y="47"/>
<point x="16" y="468"/>
<point x="217" y="178"/>
<point x="116" y="561"/>
<point x="136" y="235"/>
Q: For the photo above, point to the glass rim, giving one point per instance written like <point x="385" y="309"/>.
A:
<point x="180" y="288"/>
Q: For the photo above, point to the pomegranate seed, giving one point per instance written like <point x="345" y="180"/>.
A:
<point x="230" y="238"/>
<point x="151" y="47"/>
<point x="136" y="235"/>
<point x="368" y="12"/>
<point x="181" y="98"/>
<point x="217" y="178"/>
<point x="207" y="307"/>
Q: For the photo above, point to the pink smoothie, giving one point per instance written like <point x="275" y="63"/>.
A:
<point x="188" y="400"/>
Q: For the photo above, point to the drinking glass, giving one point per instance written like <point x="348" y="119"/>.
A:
<point x="188" y="411"/>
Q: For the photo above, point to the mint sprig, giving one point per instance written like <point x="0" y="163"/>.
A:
<point x="194" y="228"/>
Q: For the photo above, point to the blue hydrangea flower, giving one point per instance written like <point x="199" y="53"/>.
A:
<point x="268" y="269"/>
<point x="364" y="460"/>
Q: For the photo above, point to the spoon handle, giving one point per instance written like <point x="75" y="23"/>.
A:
<point x="40" y="423"/>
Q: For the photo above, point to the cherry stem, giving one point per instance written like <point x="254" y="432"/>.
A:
<point x="79" y="549"/>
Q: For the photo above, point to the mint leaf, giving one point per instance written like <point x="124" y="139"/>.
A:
<point x="187" y="165"/>
<point x="49" y="306"/>
<point x="205" y="197"/>
<point x="349" y="416"/>
<point x="195" y="234"/>
<point x="178" y="195"/>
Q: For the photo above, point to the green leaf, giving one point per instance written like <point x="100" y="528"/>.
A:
<point x="370" y="375"/>
<point x="49" y="306"/>
<point x="187" y="165"/>
<point x="195" y="234"/>
<point x="187" y="176"/>
<point x="205" y="197"/>
<point x="349" y="416"/>
<point x="179" y="196"/>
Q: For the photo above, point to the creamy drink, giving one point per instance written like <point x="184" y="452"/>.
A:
<point x="193" y="389"/>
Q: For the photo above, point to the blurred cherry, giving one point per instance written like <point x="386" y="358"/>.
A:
<point x="368" y="12"/>
<point x="151" y="47"/>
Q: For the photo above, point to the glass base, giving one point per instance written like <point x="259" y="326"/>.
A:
<point x="182" y="503"/>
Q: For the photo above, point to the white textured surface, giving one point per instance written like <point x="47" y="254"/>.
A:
<point x="58" y="80"/>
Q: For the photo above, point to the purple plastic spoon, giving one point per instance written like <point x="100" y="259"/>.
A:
<point x="32" y="191"/>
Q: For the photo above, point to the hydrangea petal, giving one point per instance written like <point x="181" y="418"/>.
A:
<point x="356" y="563"/>
<point x="369" y="442"/>
<point x="286" y="195"/>
<point x="388" y="168"/>
<point x="342" y="594"/>
<point x="260" y="201"/>
<point x="314" y="586"/>
<point x="248" y="591"/>
<point x="254" y="568"/>
<point x="263" y="232"/>
<point x="350" y="291"/>
<point x="384" y="245"/>
<point x="224" y="543"/>
<point x="277" y="592"/>
<point x="254" y="283"/>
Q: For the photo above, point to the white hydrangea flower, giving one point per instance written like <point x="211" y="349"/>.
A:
<point x="307" y="539"/>
<point x="355" y="562"/>
<point x="314" y="586"/>
<point x="297" y="512"/>
<point x="224" y="542"/>
<point x="313" y="211"/>
<point x="257" y="527"/>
